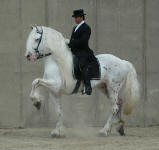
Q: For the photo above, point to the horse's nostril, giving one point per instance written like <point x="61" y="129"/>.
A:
<point x="28" y="57"/>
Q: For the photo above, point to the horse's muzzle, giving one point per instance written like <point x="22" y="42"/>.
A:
<point x="31" y="57"/>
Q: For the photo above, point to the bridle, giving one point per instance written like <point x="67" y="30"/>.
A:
<point x="38" y="54"/>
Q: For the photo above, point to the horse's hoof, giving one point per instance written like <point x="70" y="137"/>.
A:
<point x="37" y="105"/>
<point x="104" y="133"/>
<point x="121" y="131"/>
<point x="57" y="134"/>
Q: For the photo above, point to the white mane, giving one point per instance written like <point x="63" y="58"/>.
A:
<point x="56" y="44"/>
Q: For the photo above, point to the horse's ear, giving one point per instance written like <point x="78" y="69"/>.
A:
<point x="31" y="27"/>
<point x="38" y="29"/>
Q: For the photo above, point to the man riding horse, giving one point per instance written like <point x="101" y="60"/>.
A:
<point x="80" y="48"/>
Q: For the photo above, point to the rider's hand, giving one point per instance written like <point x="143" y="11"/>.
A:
<point x="67" y="41"/>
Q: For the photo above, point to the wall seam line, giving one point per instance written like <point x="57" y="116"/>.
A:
<point x="20" y="64"/>
<point x="144" y="62"/>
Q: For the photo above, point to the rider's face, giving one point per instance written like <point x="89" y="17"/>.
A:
<point x="78" y="19"/>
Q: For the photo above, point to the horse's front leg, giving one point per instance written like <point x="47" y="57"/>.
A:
<point x="51" y="84"/>
<point x="59" y="131"/>
<point x="54" y="87"/>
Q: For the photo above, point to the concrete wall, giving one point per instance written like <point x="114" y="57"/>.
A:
<point x="125" y="28"/>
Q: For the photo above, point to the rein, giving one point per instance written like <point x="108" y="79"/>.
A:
<point x="39" y="55"/>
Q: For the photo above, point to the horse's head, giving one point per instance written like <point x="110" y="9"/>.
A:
<point x="34" y="46"/>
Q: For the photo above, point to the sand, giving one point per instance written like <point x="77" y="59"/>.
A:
<point x="79" y="139"/>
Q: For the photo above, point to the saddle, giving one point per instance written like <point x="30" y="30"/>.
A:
<point x="93" y="71"/>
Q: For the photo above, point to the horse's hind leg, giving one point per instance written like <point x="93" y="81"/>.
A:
<point x="112" y="92"/>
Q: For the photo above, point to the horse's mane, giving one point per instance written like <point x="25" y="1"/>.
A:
<point x="56" y="43"/>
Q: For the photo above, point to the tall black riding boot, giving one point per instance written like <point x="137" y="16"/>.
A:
<point x="87" y="84"/>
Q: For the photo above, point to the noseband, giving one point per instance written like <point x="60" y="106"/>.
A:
<point x="39" y="55"/>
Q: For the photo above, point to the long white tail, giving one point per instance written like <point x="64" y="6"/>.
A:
<point x="132" y="91"/>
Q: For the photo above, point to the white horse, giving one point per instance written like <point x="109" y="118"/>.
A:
<point x="118" y="79"/>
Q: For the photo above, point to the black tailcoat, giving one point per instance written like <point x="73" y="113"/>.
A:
<point x="79" y="44"/>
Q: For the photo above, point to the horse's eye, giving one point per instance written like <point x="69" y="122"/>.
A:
<point x="36" y="40"/>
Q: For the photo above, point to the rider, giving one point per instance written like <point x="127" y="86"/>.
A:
<point x="79" y="47"/>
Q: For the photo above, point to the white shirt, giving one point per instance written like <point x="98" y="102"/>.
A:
<point x="79" y="25"/>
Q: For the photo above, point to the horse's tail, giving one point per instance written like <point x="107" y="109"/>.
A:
<point x="132" y="91"/>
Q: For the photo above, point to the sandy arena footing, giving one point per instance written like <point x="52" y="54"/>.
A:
<point x="79" y="139"/>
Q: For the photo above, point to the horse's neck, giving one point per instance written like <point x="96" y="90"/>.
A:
<point x="49" y="61"/>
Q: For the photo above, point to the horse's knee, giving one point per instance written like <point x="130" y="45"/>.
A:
<point x="35" y="82"/>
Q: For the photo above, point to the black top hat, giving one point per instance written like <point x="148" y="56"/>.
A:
<point x="78" y="13"/>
